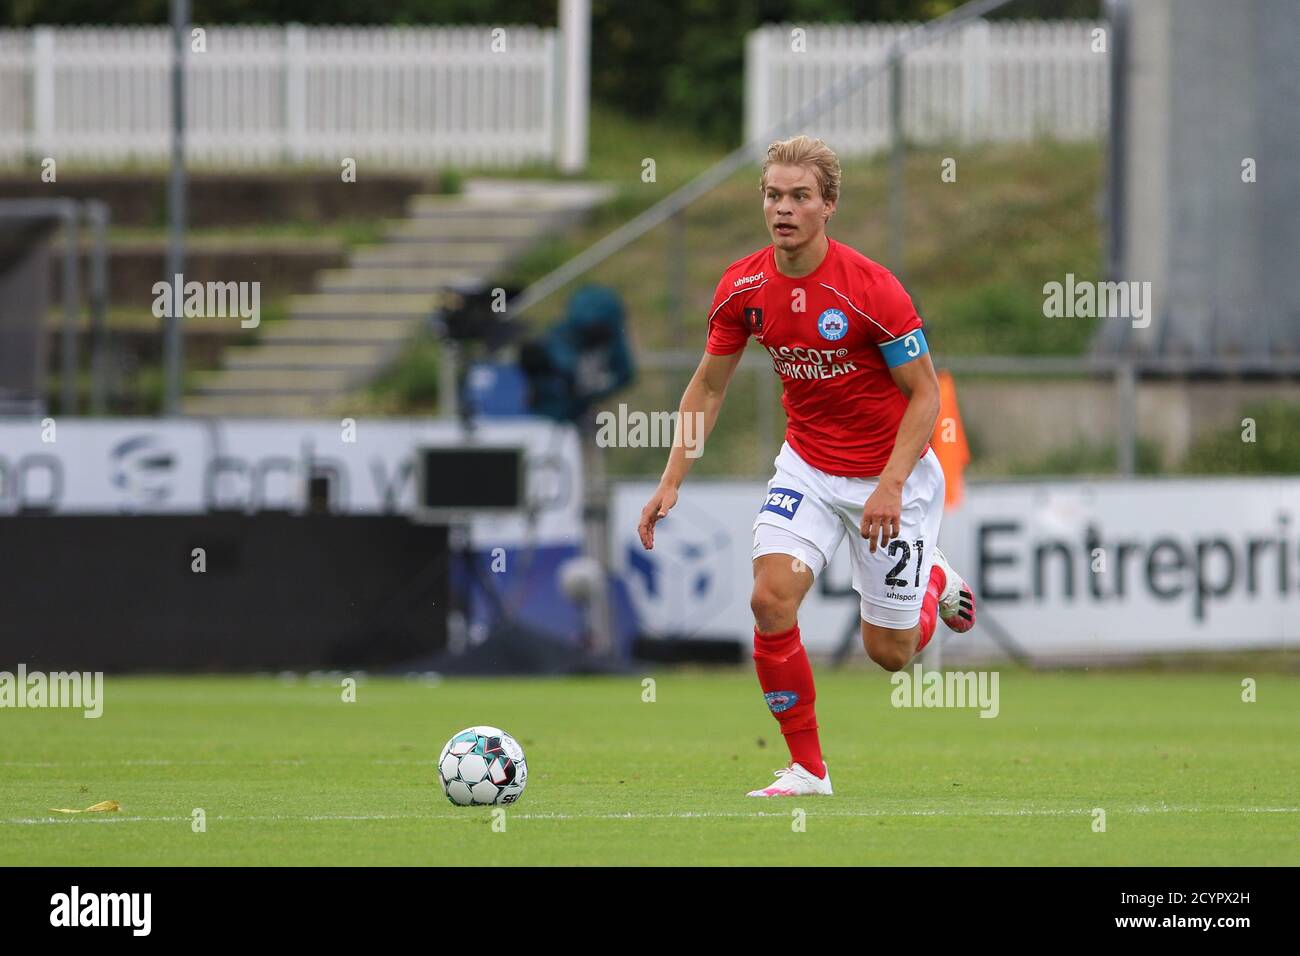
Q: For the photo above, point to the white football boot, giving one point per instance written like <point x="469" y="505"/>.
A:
<point x="795" y="781"/>
<point x="957" y="602"/>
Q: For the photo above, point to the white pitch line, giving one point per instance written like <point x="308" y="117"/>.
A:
<point x="688" y="814"/>
<point x="204" y="763"/>
<point x="113" y="818"/>
<point x="681" y="815"/>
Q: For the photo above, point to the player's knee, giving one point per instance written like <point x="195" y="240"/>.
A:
<point x="772" y="608"/>
<point x="889" y="653"/>
<point x="890" y="658"/>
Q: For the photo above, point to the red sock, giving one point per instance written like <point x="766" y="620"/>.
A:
<point x="787" y="681"/>
<point x="930" y="605"/>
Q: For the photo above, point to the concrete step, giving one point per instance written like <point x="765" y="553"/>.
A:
<point x="365" y="306"/>
<point x="367" y="332"/>
<point x="480" y="256"/>
<point x="337" y="339"/>
<point x="497" y="229"/>
<point x="569" y="195"/>
<point x="259" y="406"/>
<point x="449" y="207"/>
<point x="390" y="281"/>
<point x="290" y="355"/>
<point x="271" y="381"/>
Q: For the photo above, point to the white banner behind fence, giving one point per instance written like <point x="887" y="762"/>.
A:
<point x="1007" y="81"/>
<point x="395" y="95"/>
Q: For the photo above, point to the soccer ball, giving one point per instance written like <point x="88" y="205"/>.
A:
<point x="482" y="765"/>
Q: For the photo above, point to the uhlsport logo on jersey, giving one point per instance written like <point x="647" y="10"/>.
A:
<point x="833" y="324"/>
<point x="779" y="700"/>
<point x="783" y="502"/>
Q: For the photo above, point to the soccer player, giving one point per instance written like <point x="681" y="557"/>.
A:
<point x="861" y="400"/>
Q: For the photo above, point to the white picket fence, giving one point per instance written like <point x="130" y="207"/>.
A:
<point x="400" y="96"/>
<point x="991" y="81"/>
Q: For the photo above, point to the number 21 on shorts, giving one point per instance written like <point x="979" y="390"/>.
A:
<point x="899" y="545"/>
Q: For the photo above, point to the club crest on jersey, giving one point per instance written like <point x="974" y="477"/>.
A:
<point x="783" y="502"/>
<point x="754" y="319"/>
<point x="833" y="324"/>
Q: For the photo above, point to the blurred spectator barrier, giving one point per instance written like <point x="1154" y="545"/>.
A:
<point x="1004" y="81"/>
<point x="400" y="96"/>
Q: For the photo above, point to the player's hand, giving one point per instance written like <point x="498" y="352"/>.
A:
<point x="661" y="502"/>
<point x="882" y="516"/>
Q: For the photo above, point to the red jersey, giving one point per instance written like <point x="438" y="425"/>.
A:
<point x="823" y="332"/>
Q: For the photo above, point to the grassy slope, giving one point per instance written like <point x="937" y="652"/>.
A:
<point x="288" y="774"/>
<point x="978" y="250"/>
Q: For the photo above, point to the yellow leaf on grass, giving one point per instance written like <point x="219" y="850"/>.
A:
<point x="104" y="806"/>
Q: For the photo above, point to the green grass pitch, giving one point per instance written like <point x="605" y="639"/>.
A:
<point x="286" y="772"/>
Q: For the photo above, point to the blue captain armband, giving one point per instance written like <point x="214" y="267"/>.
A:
<point x="903" y="349"/>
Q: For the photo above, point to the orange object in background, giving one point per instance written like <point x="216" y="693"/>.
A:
<point x="949" y="441"/>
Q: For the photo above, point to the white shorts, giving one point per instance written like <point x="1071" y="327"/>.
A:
<point x="807" y="513"/>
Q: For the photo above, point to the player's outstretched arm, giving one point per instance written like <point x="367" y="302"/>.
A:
<point x="697" y="414"/>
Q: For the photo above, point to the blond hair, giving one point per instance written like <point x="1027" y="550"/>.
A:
<point x="810" y="153"/>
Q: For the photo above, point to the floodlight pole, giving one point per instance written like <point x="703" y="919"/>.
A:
<point x="575" y="35"/>
<point x="897" y="163"/>
<point x="68" y="395"/>
<point x="595" y="527"/>
<point x="173" y="340"/>
<point x="97" y="214"/>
